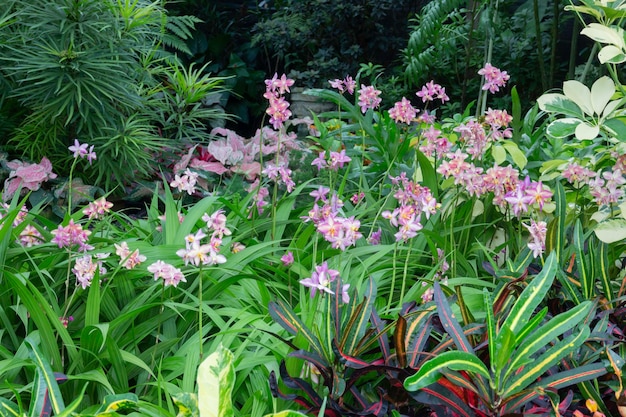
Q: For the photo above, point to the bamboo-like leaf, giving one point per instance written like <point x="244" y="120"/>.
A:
<point x="586" y="279"/>
<point x="430" y="371"/>
<point x="45" y="372"/>
<point x="548" y="333"/>
<point x="216" y="379"/>
<point x="532" y="295"/>
<point x="545" y="361"/>
<point x="449" y="322"/>
<point x="283" y="315"/>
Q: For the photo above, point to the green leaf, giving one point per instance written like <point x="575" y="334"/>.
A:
<point x="491" y="327"/>
<point x="563" y="128"/>
<point x="547" y="333"/>
<point x="187" y="404"/>
<point x="542" y="363"/>
<point x="558" y="103"/>
<point x="611" y="231"/>
<point x="45" y="372"/>
<point x="532" y="296"/>
<point x="286" y="413"/>
<point x="9" y="408"/>
<point x="358" y="322"/>
<point x="580" y="94"/>
<point x="216" y="379"/>
<point x="118" y="402"/>
<point x="516" y="154"/>
<point x="498" y="153"/>
<point x="584" y="272"/>
<point x="430" y="371"/>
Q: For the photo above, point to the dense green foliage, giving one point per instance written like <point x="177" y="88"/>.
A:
<point x="381" y="262"/>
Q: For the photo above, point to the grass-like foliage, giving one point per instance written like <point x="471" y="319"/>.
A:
<point x="392" y="262"/>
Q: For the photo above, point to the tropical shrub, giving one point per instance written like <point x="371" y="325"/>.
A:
<point x="99" y="71"/>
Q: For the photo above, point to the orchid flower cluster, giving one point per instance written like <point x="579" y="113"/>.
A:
<point x="341" y="232"/>
<point x="414" y="200"/>
<point x="606" y="187"/>
<point x="198" y="253"/>
<point x="321" y="280"/>
<point x="278" y="109"/>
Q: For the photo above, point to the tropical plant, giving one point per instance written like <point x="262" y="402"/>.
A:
<point x="522" y="348"/>
<point x="86" y="70"/>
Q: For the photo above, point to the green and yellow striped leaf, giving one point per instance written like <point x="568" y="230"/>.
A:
<point x="430" y="371"/>
<point x="532" y="296"/>
<point x="542" y="363"/>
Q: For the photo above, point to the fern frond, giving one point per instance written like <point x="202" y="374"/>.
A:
<point x="425" y="34"/>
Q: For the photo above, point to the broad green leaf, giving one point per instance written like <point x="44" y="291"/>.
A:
<point x="559" y="103"/>
<point x="610" y="231"/>
<point x="532" y="296"/>
<point x="580" y="94"/>
<point x="562" y="128"/>
<point x="601" y="92"/>
<point x="615" y="126"/>
<point x="516" y="154"/>
<point x="216" y="379"/>
<point x="430" y="371"/>
<point x="546" y="360"/>
<point x="498" y="153"/>
<point x="586" y="131"/>
<point x="603" y="34"/>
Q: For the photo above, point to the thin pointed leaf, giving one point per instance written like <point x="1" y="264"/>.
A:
<point x="586" y="279"/>
<point x="283" y="315"/>
<point x="532" y="296"/>
<point x="548" y="333"/>
<point x="449" y="322"/>
<point x="550" y="358"/>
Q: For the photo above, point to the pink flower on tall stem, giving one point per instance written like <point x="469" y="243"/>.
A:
<point x="494" y="78"/>
<point x="171" y="275"/>
<point x="403" y="111"/>
<point x="368" y="98"/>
